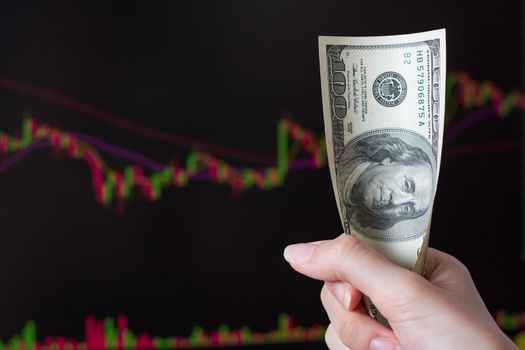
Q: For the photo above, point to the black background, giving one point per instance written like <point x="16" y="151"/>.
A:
<point x="223" y="72"/>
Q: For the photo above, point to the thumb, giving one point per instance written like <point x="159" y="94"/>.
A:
<point x="347" y="259"/>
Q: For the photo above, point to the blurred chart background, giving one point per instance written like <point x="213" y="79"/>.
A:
<point x="156" y="158"/>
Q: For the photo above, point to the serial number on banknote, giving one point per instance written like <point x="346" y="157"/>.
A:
<point x="423" y="108"/>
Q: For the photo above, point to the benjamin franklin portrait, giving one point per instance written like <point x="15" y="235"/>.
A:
<point x="383" y="180"/>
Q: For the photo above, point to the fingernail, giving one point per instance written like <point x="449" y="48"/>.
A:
<point x="299" y="253"/>
<point x="383" y="344"/>
<point x="342" y="294"/>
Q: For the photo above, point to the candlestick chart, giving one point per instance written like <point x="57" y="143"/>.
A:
<point x="156" y="158"/>
<point x="115" y="334"/>
<point x="114" y="185"/>
<point x="468" y="103"/>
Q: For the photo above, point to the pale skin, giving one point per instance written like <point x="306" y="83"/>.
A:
<point x="442" y="311"/>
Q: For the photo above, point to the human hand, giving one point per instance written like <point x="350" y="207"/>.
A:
<point x="444" y="311"/>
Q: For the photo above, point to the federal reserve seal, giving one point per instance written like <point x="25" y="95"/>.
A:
<point x="390" y="89"/>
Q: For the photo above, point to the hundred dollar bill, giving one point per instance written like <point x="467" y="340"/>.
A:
<point x="383" y="104"/>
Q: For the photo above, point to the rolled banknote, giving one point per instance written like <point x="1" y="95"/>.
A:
<point x="383" y="105"/>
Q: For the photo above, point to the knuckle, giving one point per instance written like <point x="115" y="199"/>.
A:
<point x="457" y="271"/>
<point x="408" y="288"/>
<point x="329" y="337"/>
<point x="349" y="333"/>
<point x="452" y="267"/>
<point x="410" y="280"/>
<point x="460" y="267"/>
<point x="412" y="285"/>
<point x="349" y="247"/>
<point x="328" y="340"/>
<point x="324" y="294"/>
<point x="453" y="263"/>
<point x="353" y="253"/>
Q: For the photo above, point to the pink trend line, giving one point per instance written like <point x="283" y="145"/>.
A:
<point x="145" y="131"/>
<point x="481" y="148"/>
